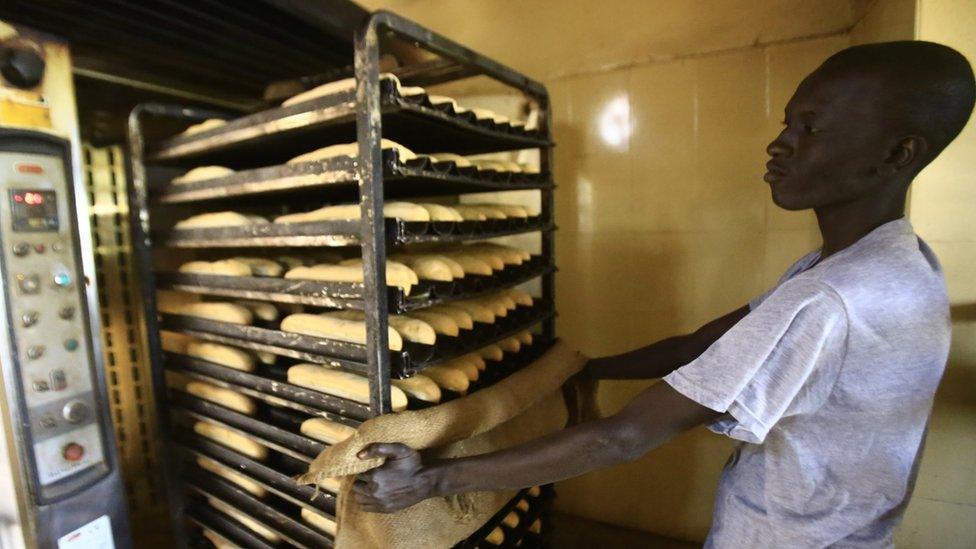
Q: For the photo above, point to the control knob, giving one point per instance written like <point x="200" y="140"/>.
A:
<point x="75" y="411"/>
<point x="21" y="66"/>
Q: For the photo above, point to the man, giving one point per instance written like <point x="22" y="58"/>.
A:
<point x="827" y="379"/>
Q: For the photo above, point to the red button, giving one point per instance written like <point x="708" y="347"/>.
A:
<point x="23" y="167"/>
<point x="73" y="451"/>
<point x="39" y="248"/>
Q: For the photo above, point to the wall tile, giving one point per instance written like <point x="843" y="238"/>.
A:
<point x="600" y="109"/>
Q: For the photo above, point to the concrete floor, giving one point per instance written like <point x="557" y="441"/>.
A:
<point x="572" y="532"/>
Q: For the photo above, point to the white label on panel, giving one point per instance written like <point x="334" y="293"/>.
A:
<point x="69" y="453"/>
<point x="97" y="534"/>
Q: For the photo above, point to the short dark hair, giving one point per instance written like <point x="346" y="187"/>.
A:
<point x="932" y="89"/>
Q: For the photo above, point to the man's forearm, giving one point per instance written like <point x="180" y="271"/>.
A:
<point x="652" y="419"/>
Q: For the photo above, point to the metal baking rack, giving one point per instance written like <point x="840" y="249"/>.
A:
<point x="514" y="537"/>
<point x="257" y="146"/>
<point x="349" y="295"/>
<point x="337" y="178"/>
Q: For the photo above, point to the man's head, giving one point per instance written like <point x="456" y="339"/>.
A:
<point x="867" y="121"/>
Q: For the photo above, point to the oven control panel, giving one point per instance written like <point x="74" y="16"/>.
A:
<point x="48" y="325"/>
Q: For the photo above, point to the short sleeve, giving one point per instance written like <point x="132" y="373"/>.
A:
<point x="780" y="360"/>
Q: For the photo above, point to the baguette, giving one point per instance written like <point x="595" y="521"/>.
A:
<point x="351" y="149"/>
<point x="459" y="161"/>
<point x="218" y="219"/>
<point x="419" y="387"/>
<point x="439" y="212"/>
<point x="410" y="329"/>
<point x="471" y="264"/>
<point x="202" y="173"/>
<point x="231" y="475"/>
<point x="227" y="398"/>
<point x="231" y="439"/>
<point x="397" y="274"/>
<point x="510" y="345"/>
<point x="478" y="312"/>
<point x="491" y="352"/>
<point x="207" y="124"/>
<point x="321" y="522"/>
<point x="463" y="319"/>
<point x="218" y="311"/>
<point x="330" y="327"/>
<point x="245" y="520"/>
<point x="340" y="384"/>
<point x="261" y="266"/>
<point x="497" y="307"/>
<point x="225" y="355"/>
<point x="329" y="485"/>
<point x="534" y="491"/>
<point x="469" y="370"/>
<point x="323" y="430"/>
<point x="431" y="267"/>
<point x="442" y="323"/>
<point x="522" y="505"/>
<point x="536" y="527"/>
<point x="496" y="536"/>
<point x="261" y="309"/>
<point x="448" y="378"/>
<point x="224" y="267"/>
<point x="217" y="540"/>
<point x="477" y="360"/>
<point x="400" y="210"/>
<point x="520" y="297"/>
<point x="524" y="337"/>
<point x="511" y="519"/>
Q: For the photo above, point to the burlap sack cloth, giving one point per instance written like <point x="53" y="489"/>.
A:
<point x="521" y="407"/>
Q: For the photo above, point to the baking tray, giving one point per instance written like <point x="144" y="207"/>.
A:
<point x="290" y="529"/>
<point x="207" y="517"/>
<point x="349" y="295"/>
<point x="351" y="356"/>
<point x="512" y="535"/>
<point x="337" y="178"/>
<point x="272" y="391"/>
<point x="344" y="233"/>
<point x="275" y="135"/>
<point x="281" y="484"/>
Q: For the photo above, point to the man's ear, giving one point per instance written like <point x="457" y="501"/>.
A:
<point x="906" y="153"/>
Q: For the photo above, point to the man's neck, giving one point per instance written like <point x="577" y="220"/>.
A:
<point x="844" y="224"/>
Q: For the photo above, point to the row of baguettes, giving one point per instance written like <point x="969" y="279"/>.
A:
<point x="480" y="163"/>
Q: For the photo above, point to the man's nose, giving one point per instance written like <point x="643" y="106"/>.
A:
<point x="779" y="147"/>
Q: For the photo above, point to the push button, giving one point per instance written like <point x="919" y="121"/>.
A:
<point x="73" y="451"/>
<point x="28" y="283"/>
<point x="39" y="248"/>
<point x="59" y="381"/>
<point x="48" y="421"/>
<point x="75" y="411"/>
<point x="29" y="318"/>
<point x="35" y="351"/>
<point x="21" y="249"/>
<point x="67" y="312"/>
<point x="62" y="279"/>
<point x="40" y="386"/>
<point x="57" y="247"/>
<point x="71" y="344"/>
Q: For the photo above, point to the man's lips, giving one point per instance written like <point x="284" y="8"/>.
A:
<point x="774" y="172"/>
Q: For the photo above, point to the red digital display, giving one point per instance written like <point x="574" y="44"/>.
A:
<point x="33" y="210"/>
<point x="29" y="198"/>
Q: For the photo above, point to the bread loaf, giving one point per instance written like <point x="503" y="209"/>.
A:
<point x="225" y="355"/>
<point x="467" y="210"/>
<point x="217" y="540"/>
<point x="458" y="160"/>
<point x="319" y="521"/>
<point x="477" y="360"/>
<point x="351" y="149"/>
<point x="219" y="219"/>
<point x="496" y="536"/>
<point x="207" y="124"/>
<point x="323" y="430"/>
<point x="478" y="312"/>
<point x="536" y="527"/>
<point x="457" y="314"/>
<point x="290" y="261"/>
<point x="439" y="212"/>
<point x="245" y="520"/>
<point x="419" y="387"/>
<point x="397" y="274"/>
<point x="231" y="475"/>
<point x="509" y="255"/>
<point x="520" y="297"/>
<point x="511" y="519"/>
<point x="350" y="331"/>
<point x="260" y="309"/>
<point x="524" y="337"/>
<point x="225" y="437"/>
<point x="469" y="370"/>
<point x="261" y="266"/>
<point x="471" y="264"/>
<point x="400" y="210"/>
<point x="534" y="491"/>
<point x="522" y="505"/>
<point x="340" y="384"/>
<point x="430" y="267"/>
<point x="218" y="311"/>
<point x="441" y="323"/>
<point x="225" y="267"/>
<point x="346" y="85"/>
<point x="202" y="173"/>
<point x="510" y="345"/>
<point x="410" y="329"/>
<point x="330" y="485"/>
<point x="448" y="378"/>
<point x="491" y="352"/>
<point x="227" y="398"/>
<point x="509" y="210"/>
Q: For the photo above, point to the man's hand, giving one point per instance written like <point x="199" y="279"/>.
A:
<point x="399" y="483"/>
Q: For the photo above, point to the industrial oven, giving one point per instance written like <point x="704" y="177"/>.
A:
<point x="235" y="488"/>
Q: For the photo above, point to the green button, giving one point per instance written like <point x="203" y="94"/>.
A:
<point x="71" y="344"/>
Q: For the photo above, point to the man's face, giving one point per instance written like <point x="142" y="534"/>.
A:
<point x="833" y="141"/>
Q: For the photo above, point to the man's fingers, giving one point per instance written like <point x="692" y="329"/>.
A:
<point x="362" y="487"/>
<point x="385" y="450"/>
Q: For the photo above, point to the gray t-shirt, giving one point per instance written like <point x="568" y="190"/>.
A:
<point x="828" y="382"/>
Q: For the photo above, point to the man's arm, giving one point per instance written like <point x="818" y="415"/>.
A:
<point x="651" y="419"/>
<point x="661" y="358"/>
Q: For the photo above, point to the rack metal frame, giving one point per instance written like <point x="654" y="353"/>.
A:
<point x="373" y="230"/>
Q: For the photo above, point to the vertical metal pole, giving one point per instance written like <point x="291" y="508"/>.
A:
<point x="141" y="241"/>
<point x="373" y="227"/>
<point x="548" y="216"/>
